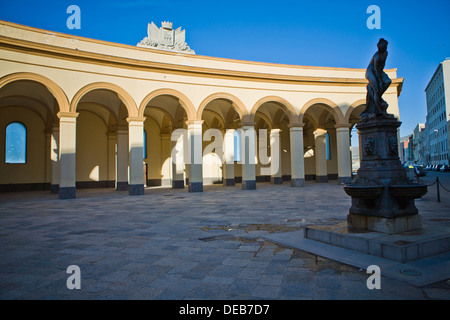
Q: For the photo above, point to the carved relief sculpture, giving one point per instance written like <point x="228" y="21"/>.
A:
<point x="165" y="38"/>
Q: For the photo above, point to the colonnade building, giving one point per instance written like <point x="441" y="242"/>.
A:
<point x="77" y="112"/>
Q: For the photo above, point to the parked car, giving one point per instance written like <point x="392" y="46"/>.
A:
<point x="444" y="168"/>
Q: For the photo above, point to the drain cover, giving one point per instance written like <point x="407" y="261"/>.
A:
<point x="411" y="272"/>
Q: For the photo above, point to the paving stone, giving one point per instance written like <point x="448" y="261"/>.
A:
<point x="129" y="248"/>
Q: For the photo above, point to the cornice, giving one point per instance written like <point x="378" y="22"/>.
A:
<point x="64" y="53"/>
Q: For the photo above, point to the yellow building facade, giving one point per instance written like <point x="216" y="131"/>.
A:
<point x="101" y="114"/>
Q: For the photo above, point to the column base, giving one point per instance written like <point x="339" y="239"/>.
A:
<point x="67" y="192"/>
<point x="321" y="179"/>
<point x="248" y="184"/>
<point x="122" y="186"/>
<point x="177" y="184"/>
<point x="136" y="189"/>
<point x="385" y="225"/>
<point x="195" y="187"/>
<point x="54" y="188"/>
<point x="344" y="180"/>
<point x="276" y="180"/>
<point x="229" y="182"/>
<point x="298" y="182"/>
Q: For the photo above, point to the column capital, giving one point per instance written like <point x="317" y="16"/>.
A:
<point x="70" y="115"/>
<point x="296" y="129"/>
<point x="296" y="125"/>
<point x="194" y="122"/>
<point x="111" y="134"/>
<point x="135" y="119"/>
<point x="343" y="126"/>
<point x="248" y="124"/>
<point x="275" y="131"/>
<point x="319" y="132"/>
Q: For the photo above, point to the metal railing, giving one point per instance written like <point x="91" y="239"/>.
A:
<point x="437" y="183"/>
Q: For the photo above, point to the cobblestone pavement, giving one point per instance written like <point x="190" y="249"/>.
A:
<point x="171" y="244"/>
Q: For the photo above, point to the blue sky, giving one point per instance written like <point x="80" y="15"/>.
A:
<point x="313" y="33"/>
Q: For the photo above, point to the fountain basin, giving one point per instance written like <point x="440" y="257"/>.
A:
<point x="363" y="192"/>
<point x="412" y="191"/>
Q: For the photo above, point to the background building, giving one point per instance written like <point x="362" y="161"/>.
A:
<point x="405" y="149"/>
<point x="437" y="113"/>
<point x="417" y="138"/>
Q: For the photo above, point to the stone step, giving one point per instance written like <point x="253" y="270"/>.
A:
<point x="401" y="247"/>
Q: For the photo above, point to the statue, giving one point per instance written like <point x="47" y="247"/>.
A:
<point x="382" y="194"/>
<point x="379" y="81"/>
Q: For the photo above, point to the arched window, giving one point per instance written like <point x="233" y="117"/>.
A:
<point x="16" y="143"/>
<point x="237" y="145"/>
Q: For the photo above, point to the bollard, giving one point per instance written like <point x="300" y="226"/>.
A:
<point x="437" y="186"/>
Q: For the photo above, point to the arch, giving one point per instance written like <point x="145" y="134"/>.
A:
<point x="265" y="118"/>
<point x="237" y="104"/>
<point x="285" y="105"/>
<point x="35" y="101"/>
<point x="352" y="107"/>
<point x="124" y="96"/>
<point x="312" y="120"/>
<point x="102" y="106"/>
<point x="97" y="115"/>
<point x="216" y="116"/>
<point x="51" y="86"/>
<point x="163" y="111"/>
<point x="184" y="101"/>
<point x="328" y="104"/>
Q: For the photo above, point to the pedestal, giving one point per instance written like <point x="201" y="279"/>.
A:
<point x="385" y="225"/>
<point x="382" y="194"/>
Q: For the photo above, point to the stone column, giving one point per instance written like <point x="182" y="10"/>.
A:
<point x="228" y="158"/>
<point x="54" y="158"/>
<point x="248" y="144"/>
<point x="166" y="170"/>
<point x="136" y="155"/>
<point x="343" y="154"/>
<point x="297" y="157"/>
<point x="112" y="137"/>
<point x="122" y="159"/>
<point x="320" y="155"/>
<point x="178" y="155"/>
<point x="275" y="157"/>
<point x="195" y="154"/>
<point x="67" y="155"/>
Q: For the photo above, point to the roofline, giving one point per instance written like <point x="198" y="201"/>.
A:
<point x="439" y="66"/>
<point x="195" y="56"/>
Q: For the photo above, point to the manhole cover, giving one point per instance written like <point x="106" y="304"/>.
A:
<point x="411" y="272"/>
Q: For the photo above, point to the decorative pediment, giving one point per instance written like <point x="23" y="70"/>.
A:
<point x="165" y="38"/>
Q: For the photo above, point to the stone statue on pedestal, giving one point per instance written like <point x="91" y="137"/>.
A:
<point x="379" y="81"/>
<point x="382" y="195"/>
